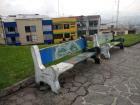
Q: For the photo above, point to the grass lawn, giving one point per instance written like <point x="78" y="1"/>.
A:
<point x="15" y="64"/>
<point x="16" y="61"/>
<point x="130" y="39"/>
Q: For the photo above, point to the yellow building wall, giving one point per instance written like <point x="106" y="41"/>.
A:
<point x="21" y="23"/>
<point x="72" y="21"/>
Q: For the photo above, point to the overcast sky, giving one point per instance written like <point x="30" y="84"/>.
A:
<point x="106" y="8"/>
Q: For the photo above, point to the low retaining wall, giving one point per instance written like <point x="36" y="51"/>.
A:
<point x="22" y="84"/>
<point x="132" y="44"/>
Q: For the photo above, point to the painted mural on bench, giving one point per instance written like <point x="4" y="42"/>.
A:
<point x="104" y="38"/>
<point x="66" y="49"/>
<point x="59" y="51"/>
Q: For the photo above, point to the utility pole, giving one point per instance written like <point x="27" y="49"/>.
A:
<point x="58" y="8"/>
<point x="117" y="19"/>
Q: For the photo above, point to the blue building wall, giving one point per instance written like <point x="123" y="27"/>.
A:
<point x="10" y="24"/>
<point x="11" y="35"/>
<point x="47" y="22"/>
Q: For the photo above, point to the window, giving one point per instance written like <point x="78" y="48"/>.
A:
<point x="95" y="31"/>
<point x="47" y="28"/>
<point x="91" y="23"/>
<point x="72" y="25"/>
<point x="28" y="38"/>
<point x="11" y="29"/>
<point x="33" y="28"/>
<point x="56" y="27"/>
<point x="91" y="32"/>
<point x="9" y="41"/>
<point x="78" y="24"/>
<point x="82" y="32"/>
<point x="30" y="28"/>
<point x="48" y="37"/>
<point x="34" y="38"/>
<point x="95" y="23"/>
<point x="66" y="26"/>
<point x="27" y="29"/>
<point x="73" y="33"/>
<point x="67" y="35"/>
<point x="58" y="36"/>
<point x="83" y="23"/>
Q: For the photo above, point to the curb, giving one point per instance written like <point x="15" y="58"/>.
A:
<point x="132" y="44"/>
<point x="22" y="84"/>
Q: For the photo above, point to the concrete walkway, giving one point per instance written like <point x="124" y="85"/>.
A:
<point x="114" y="82"/>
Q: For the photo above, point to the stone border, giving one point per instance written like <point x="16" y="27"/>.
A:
<point x="22" y="84"/>
<point x="132" y="44"/>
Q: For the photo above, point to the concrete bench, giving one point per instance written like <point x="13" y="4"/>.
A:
<point x="105" y="42"/>
<point x="44" y="56"/>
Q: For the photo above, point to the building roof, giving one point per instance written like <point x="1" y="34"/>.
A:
<point x="8" y="19"/>
<point x="12" y="18"/>
<point x="29" y="16"/>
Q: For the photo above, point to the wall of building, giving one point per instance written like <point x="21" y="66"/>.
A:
<point x="64" y="29"/>
<point x="36" y="34"/>
<point x="2" y="41"/>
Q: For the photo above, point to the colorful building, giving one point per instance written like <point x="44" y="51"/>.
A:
<point x="64" y="29"/>
<point x="88" y="25"/>
<point x="30" y="29"/>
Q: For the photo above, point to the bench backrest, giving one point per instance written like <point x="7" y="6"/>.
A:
<point x="53" y="53"/>
<point x="104" y="38"/>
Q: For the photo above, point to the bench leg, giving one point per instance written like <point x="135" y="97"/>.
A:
<point x="97" y="56"/>
<point x="97" y="59"/>
<point x="121" y="46"/>
<point x="50" y="76"/>
<point x="105" y="51"/>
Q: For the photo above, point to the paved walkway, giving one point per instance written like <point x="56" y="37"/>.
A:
<point x="114" y="82"/>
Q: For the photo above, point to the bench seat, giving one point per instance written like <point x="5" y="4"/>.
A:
<point x="114" y="43"/>
<point x="80" y="57"/>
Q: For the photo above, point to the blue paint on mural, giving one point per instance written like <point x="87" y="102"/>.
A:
<point x="47" y="55"/>
<point x="82" y="43"/>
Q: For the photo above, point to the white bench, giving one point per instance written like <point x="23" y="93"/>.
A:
<point x="105" y="42"/>
<point x="44" y="56"/>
